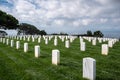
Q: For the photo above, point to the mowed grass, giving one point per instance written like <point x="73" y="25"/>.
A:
<point x="17" y="65"/>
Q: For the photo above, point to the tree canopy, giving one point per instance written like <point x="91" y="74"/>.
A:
<point x="29" y="29"/>
<point x="98" y="34"/>
<point x="3" y="33"/>
<point x="7" y="21"/>
<point x="89" y="33"/>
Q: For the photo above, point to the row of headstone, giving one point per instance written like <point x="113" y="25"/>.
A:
<point x="89" y="64"/>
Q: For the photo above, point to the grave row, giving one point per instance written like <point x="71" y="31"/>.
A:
<point x="89" y="64"/>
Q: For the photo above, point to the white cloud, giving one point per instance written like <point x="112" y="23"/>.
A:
<point x="103" y="20"/>
<point x="64" y="12"/>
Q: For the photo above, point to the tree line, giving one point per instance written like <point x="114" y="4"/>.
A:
<point x="7" y="21"/>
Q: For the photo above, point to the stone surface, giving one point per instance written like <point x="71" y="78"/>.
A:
<point x="55" y="57"/>
<point x="17" y="44"/>
<point x="82" y="46"/>
<point x="7" y="41"/>
<point x="89" y="68"/>
<point x="94" y="42"/>
<point x="39" y="40"/>
<point x="46" y="41"/>
<point x="25" y="47"/>
<point x="55" y="42"/>
<point x="110" y="43"/>
<point x="37" y="51"/>
<point x="67" y="44"/>
<point x="104" y="49"/>
<point x="12" y="43"/>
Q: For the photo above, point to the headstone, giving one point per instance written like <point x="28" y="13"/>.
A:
<point x="46" y="41"/>
<point x="89" y="39"/>
<point x="24" y="38"/>
<point x="82" y="46"/>
<point x="33" y="39"/>
<point x="67" y="44"/>
<point x="94" y="42"/>
<point x="7" y="42"/>
<point x="25" y="47"/>
<point x="37" y="51"/>
<point x="71" y="39"/>
<point x="55" y="42"/>
<point x="3" y="40"/>
<point x="39" y="39"/>
<point x="20" y="37"/>
<point x="12" y="43"/>
<point x="89" y="68"/>
<point x="110" y="43"/>
<point x="28" y="39"/>
<point x="55" y="57"/>
<point x="62" y="39"/>
<point x="104" y="49"/>
<point x="17" y="44"/>
<point x="81" y="40"/>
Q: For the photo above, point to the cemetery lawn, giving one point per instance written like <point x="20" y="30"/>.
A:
<point x="17" y="65"/>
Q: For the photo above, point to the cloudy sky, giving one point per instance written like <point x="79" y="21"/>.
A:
<point x="71" y="16"/>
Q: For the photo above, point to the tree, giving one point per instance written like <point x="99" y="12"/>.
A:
<point x="98" y="34"/>
<point x="89" y="33"/>
<point x="3" y="33"/>
<point x="7" y="21"/>
<point x="29" y="29"/>
<point x="42" y="32"/>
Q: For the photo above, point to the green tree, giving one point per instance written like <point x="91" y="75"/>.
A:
<point x="7" y="21"/>
<point x="89" y="33"/>
<point x="29" y="29"/>
<point x="3" y="33"/>
<point x="98" y="34"/>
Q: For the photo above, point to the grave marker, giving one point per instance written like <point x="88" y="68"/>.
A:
<point x="37" y="51"/>
<point x="104" y="49"/>
<point x="55" y="57"/>
<point x="89" y="68"/>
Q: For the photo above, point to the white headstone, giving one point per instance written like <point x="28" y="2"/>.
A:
<point x="7" y="42"/>
<point x="24" y="38"/>
<point x="28" y="39"/>
<point x="39" y="39"/>
<point x="104" y="49"/>
<point x="82" y="46"/>
<point x="20" y="37"/>
<point x="12" y="43"/>
<point x="25" y="47"/>
<point x="46" y="41"/>
<point x="89" y="68"/>
<point x="33" y="39"/>
<point x="67" y="44"/>
<point x="94" y="42"/>
<point x="3" y="40"/>
<point x="110" y="43"/>
<point x="62" y="39"/>
<point x="55" y="42"/>
<point x="37" y="51"/>
<point x="17" y="44"/>
<point x="55" y="57"/>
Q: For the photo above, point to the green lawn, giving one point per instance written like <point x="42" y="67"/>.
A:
<point x="17" y="65"/>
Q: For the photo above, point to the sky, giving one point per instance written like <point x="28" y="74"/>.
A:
<point x="69" y="16"/>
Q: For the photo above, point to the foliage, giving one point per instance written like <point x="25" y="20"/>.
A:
<point x="3" y="34"/>
<point x="98" y="34"/>
<point x="29" y="29"/>
<point x="7" y="21"/>
<point x="89" y="33"/>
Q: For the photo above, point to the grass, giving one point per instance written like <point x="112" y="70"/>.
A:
<point x="17" y="65"/>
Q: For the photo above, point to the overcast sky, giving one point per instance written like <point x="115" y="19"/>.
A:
<point x="71" y="16"/>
